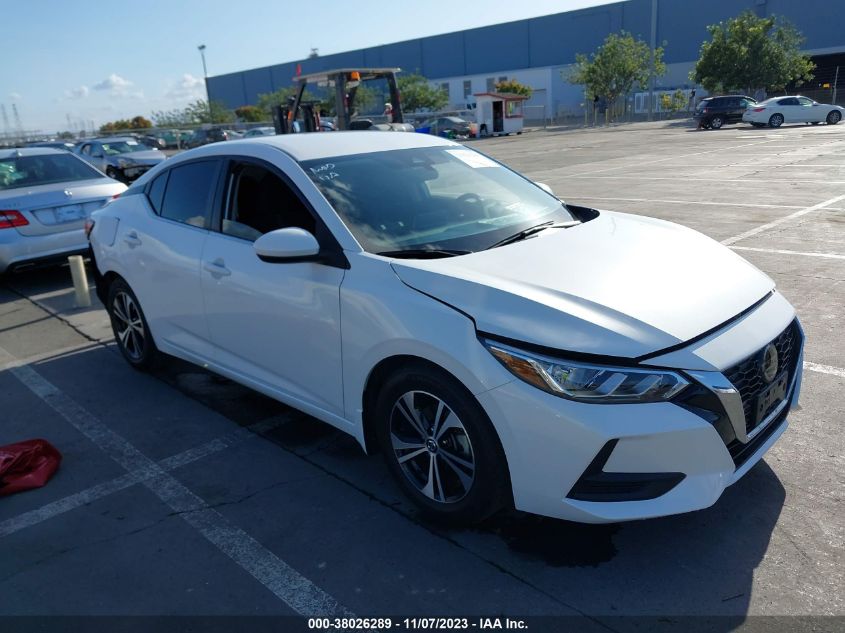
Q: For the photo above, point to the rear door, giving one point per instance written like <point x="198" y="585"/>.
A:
<point x="162" y="246"/>
<point x="792" y="112"/>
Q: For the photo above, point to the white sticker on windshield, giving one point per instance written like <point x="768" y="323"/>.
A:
<point x="471" y="158"/>
<point x="131" y="142"/>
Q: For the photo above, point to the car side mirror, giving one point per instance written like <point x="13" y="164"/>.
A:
<point x="287" y="245"/>
<point x="545" y="188"/>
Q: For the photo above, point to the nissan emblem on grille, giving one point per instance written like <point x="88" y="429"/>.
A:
<point x="770" y="362"/>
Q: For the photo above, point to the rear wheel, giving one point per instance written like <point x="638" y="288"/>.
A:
<point x="129" y="325"/>
<point x="834" y="117"/>
<point x="717" y="122"/>
<point x="440" y="447"/>
<point x="776" y="120"/>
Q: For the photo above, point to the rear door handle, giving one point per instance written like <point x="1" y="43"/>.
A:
<point x="217" y="268"/>
<point x="132" y="239"/>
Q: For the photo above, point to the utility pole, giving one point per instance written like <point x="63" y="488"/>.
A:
<point x="653" y="45"/>
<point x="835" y="82"/>
<point x="18" y="124"/>
<point x="5" y="120"/>
<point x="201" y="49"/>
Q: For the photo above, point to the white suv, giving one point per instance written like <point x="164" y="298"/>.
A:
<point x="496" y="345"/>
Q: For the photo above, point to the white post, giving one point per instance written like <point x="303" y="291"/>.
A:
<point x="80" y="281"/>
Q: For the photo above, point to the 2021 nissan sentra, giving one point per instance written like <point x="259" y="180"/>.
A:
<point x="498" y="346"/>
<point x="45" y="197"/>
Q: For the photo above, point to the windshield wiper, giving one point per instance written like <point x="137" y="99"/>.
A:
<point x="532" y="230"/>
<point x="424" y="253"/>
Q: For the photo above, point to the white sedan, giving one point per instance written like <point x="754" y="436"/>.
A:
<point x="779" y="110"/>
<point x="497" y="346"/>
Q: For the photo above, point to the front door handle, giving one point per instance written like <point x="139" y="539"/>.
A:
<point x="132" y="239"/>
<point x="217" y="268"/>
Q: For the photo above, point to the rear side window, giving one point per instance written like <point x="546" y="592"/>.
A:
<point x="188" y="194"/>
<point x="155" y="193"/>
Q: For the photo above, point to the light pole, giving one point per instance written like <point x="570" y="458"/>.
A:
<point x="201" y="49"/>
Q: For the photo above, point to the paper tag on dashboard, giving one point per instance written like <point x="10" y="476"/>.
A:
<point x="471" y="158"/>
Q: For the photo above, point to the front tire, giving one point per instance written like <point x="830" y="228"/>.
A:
<point x="440" y="446"/>
<point x="834" y="117"/>
<point x="130" y="328"/>
<point x="776" y="120"/>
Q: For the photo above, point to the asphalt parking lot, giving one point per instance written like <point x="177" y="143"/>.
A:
<point x="182" y="493"/>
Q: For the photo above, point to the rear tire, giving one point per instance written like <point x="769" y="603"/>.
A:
<point x="130" y="328"/>
<point x="451" y="465"/>
<point x="776" y="120"/>
<point x="717" y="122"/>
<point x="834" y="117"/>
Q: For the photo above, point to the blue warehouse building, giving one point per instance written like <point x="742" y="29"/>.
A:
<point x="539" y="51"/>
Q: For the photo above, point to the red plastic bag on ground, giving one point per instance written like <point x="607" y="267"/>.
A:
<point x="27" y="465"/>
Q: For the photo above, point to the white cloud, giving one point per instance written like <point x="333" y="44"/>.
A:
<point x="77" y="93"/>
<point x="15" y="96"/>
<point x="115" y="83"/>
<point x="187" y="87"/>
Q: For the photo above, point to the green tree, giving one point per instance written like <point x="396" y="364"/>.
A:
<point x="170" y="118"/>
<point x="619" y="65"/>
<point x="139" y="122"/>
<point x="748" y="53"/>
<point x="200" y="112"/>
<point x="512" y="86"/>
<point x="251" y="114"/>
<point x="417" y="93"/>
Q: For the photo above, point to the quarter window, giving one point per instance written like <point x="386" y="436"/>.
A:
<point x="258" y="201"/>
<point x="188" y="194"/>
<point x="155" y="193"/>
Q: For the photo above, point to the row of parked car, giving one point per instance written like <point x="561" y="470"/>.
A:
<point x="714" y="112"/>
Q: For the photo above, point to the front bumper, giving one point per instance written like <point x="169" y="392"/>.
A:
<point x="608" y="463"/>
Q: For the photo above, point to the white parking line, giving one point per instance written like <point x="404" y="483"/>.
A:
<point x="89" y="495"/>
<point x="779" y="221"/>
<point x="720" y="179"/>
<point x="292" y="588"/>
<point x="825" y="369"/>
<point x="52" y="354"/>
<point x="702" y="202"/>
<point x="785" y="252"/>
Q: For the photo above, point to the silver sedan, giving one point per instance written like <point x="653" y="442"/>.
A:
<point x="45" y="197"/>
<point x="121" y="158"/>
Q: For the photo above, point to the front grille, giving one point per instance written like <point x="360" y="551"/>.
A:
<point x="740" y="453"/>
<point x="747" y="375"/>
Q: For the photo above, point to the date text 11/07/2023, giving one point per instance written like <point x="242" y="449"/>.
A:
<point x="432" y="624"/>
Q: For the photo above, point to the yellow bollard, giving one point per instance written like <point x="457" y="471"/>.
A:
<point x="80" y="281"/>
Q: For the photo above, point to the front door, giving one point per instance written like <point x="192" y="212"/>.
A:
<point x="275" y="324"/>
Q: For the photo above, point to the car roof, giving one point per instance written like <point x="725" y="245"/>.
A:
<point x="316" y="145"/>
<point x="31" y="151"/>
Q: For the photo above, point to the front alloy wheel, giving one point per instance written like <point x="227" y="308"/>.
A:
<point x="432" y="447"/>
<point x="834" y="117"/>
<point x="440" y="446"/>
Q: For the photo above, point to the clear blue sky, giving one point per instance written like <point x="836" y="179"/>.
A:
<point x="96" y="61"/>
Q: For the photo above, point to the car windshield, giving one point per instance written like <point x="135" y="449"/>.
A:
<point x="432" y="198"/>
<point x="44" y="169"/>
<point x="123" y="147"/>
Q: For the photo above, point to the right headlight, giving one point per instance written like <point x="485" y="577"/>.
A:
<point x="586" y="382"/>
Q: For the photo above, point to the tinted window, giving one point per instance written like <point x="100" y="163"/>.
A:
<point x="29" y="171"/>
<point x="804" y="101"/>
<point x="155" y="193"/>
<point x="258" y="201"/>
<point x="788" y="102"/>
<point x="187" y="197"/>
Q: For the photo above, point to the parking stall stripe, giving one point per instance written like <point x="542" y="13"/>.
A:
<point x="296" y="591"/>
<point x="825" y="369"/>
<point x="779" y="221"/>
<point x="89" y="495"/>
<point x="778" y="251"/>
<point x="713" y="204"/>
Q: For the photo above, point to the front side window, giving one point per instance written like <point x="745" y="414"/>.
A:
<point x="31" y="171"/>
<point x="430" y="198"/>
<point x="258" y="201"/>
<point x="188" y="194"/>
<point x="804" y="101"/>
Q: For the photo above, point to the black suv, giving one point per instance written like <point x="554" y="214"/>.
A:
<point x="714" y="112"/>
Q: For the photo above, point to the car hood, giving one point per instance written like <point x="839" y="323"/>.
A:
<point x="151" y="157"/>
<point x="618" y="285"/>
